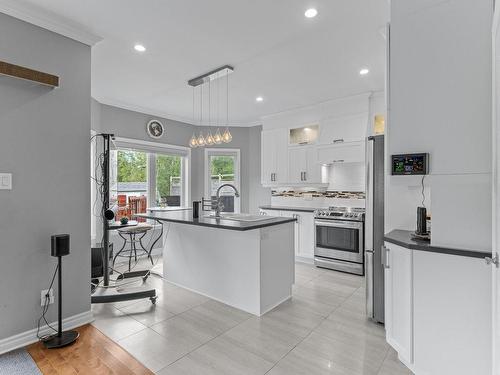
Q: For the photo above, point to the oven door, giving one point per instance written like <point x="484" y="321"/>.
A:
<point x="338" y="239"/>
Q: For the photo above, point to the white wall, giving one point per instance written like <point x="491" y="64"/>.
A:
<point x="440" y="103"/>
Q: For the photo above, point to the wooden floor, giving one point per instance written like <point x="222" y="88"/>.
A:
<point x="93" y="353"/>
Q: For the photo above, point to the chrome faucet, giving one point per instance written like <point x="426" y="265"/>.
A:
<point x="219" y="205"/>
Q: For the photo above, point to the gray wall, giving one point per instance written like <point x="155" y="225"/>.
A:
<point x="130" y="124"/>
<point x="44" y="142"/>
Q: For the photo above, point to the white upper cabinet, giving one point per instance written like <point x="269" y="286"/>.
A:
<point x="295" y="144"/>
<point x="336" y="130"/>
<point x="274" y="163"/>
<point x="346" y="152"/>
<point x="303" y="167"/>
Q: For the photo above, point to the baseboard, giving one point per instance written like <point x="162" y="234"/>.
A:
<point x="29" y="337"/>
<point x="306" y="260"/>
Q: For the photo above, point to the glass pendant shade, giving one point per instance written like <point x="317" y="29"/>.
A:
<point x="226" y="136"/>
<point x="209" y="139"/>
<point x="217" y="137"/>
<point x="201" y="140"/>
<point x="193" y="142"/>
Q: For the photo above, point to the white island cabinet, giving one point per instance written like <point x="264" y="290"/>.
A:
<point x="304" y="231"/>
<point x="246" y="263"/>
<point x="437" y="307"/>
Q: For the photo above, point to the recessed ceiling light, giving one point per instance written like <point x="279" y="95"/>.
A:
<point x="364" y="71"/>
<point x="139" y="48"/>
<point x="259" y="99"/>
<point x="311" y="13"/>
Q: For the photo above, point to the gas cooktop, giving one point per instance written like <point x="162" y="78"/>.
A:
<point x="341" y="213"/>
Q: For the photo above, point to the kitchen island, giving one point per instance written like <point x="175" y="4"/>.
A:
<point x="244" y="261"/>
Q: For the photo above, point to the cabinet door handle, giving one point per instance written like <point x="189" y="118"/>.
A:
<point x="338" y="140"/>
<point x="305" y="176"/>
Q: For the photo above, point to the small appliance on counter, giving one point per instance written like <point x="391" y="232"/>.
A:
<point x="422" y="233"/>
<point x="339" y="239"/>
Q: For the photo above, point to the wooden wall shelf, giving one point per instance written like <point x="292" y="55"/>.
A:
<point x="17" y="71"/>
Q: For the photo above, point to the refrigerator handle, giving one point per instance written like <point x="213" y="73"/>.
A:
<point x="369" y="283"/>
<point x="369" y="196"/>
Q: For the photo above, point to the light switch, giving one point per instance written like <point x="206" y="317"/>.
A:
<point x="5" y="181"/>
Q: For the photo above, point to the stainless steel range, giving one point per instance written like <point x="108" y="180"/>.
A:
<point x="339" y="239"/>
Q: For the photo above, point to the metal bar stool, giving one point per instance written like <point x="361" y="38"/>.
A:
<point x="133" y="236"/>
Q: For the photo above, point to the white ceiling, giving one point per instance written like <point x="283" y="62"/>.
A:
<point x="277" y="53"/>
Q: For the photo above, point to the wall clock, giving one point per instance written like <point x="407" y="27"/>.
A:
<point x="155" y="129"/>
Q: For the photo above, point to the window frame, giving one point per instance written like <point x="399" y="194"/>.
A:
<point x="234" y="152"/>
<point x="153" y="148"/>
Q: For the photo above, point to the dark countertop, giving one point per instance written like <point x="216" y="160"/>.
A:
<point x="289" y="208"/>
<point x="403" y="238"/>
<point x="186" y="217"/>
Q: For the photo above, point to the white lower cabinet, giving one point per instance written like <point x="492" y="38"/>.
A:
<point x="304" y="231"/>
<point x="438" y="311"/>
<point x="399" y="300"/>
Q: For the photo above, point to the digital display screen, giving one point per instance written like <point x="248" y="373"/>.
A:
<point x="410" y="164"/>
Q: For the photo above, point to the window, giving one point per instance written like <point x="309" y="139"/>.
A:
<point x="146" y="174"/>
<point x="168" y="189"/>
<point x="222" y="166"/>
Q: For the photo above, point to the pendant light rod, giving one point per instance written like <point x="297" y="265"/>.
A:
<point x="210" y="76"/>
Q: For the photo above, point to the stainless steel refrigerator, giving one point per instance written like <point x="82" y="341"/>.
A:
<point x="374" y="228"/>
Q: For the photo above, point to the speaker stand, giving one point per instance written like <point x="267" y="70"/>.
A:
<point x="61" y="338"/>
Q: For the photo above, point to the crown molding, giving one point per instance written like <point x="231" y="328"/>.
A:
<point x="48" y="20"/>
<point x="167" y="116"/>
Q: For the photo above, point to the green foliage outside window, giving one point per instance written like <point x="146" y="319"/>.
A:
<point x="132" y="166"/>
<point x="166" y="166"/>
<point x="223" y="165"/>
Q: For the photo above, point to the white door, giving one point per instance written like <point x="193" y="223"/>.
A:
<point x="296" y="230"/>
<point x="398" y="300"/>
<point x="313" y="168"/>
<point x="268" y="155"/>
<point x="222" y="166"/>
<point x="297" y="164"/>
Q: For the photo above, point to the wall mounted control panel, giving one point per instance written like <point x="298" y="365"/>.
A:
<point x="410" y="164"/>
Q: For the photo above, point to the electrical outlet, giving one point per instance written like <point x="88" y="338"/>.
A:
<point x="43" y="295"/>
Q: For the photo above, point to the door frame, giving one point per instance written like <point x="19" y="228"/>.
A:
<point x="495" y="313"/>
<point x="237" y="171"/>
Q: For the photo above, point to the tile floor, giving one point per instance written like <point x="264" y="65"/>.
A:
<point x="321" y="330"/>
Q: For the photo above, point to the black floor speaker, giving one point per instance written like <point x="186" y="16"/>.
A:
<point x="59" y="248"/>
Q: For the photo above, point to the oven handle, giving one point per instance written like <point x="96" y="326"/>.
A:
<point x="338" y="224"/>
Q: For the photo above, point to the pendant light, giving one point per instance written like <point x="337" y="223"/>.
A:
<point x="201" y="138"/>
<point x="209" y="140"/>
<point x="217" y="135"/>
<point x="226" y="136"/>
<point x="193" y="142"/>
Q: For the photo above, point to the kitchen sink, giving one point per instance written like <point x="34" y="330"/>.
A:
<point x="240" y="217"/>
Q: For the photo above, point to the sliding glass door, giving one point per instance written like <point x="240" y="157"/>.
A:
<point x="140" y="179"/>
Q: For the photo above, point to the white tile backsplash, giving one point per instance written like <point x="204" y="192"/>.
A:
<point x="346" y="177"/>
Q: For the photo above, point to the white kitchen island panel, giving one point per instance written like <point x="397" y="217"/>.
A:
<point x="252" y="270"/>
